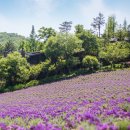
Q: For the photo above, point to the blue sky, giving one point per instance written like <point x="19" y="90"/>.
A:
<point x="19" y="15"/>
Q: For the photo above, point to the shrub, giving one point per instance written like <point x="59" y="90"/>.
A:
<point x="72" y="62"/>
<point x="18" y="86"/>
<point x="123" y="124"/>
<point x="32" y="83"/>
<point x="35" y="71"/>
<point x="90" y="62"/>
<point x="52" y="69"/>
<point x="45" y="66"/>
<point x="60" y="64"/>
<point x="2" y="83"/>
<point x="14" y="69"/>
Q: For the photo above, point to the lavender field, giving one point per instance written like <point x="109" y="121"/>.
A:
<point x="99" y="101"/>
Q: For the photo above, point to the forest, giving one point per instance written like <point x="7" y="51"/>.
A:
<point x="104" y="47"/>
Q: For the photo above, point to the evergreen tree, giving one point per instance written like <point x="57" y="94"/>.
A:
<point x="98" y="22"/>
<point x="33" y="39"/>
<point x="65" y="27"/>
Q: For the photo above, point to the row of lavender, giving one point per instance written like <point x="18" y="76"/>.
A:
<point x="98" y="101"/>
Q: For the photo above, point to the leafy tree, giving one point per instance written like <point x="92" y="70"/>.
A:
<point x="110" y="27"/>
<point x="79" y="29"/>
<point x="14" y="69"/>
<point x="90" y="44"/>
<point x="45" y="33"/>
<point x="114" y="53"/>
<point x="98" y="22"/>
<point x="54" y="48"/>
<point x="121" y="33"/>
<point x="60" y="46"/>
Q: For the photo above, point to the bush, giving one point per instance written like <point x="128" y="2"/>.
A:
<point x="123" y="124"/>
<point x="60" y="64"/>
<point x="18" y="86"/>
<point x="32" y="83"/>
<point x="72" y="62"/>
<point x="14" y="69"/>
<point x="90" y="62"/>
<point x="2" y="83"/>
<point x="52" y="69"/>
<point x="35" y="71"/>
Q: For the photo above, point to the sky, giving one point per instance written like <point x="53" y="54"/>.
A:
<point x="18" y="16"/>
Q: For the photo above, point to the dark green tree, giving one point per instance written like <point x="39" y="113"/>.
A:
<point x="98" y="22"/>
<point x="9" y="47"/>
<point x="33" y="39"/>
<point x="65" y="27"/>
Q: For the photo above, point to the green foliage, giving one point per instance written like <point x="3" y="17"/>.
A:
<point x="35" y="71"/>
<point x="2" y="83"/>
<point x="79" y="28"/>
<point x="90" y="62"/>
<point x="110" y="27"/>
<point x="31" y="83"/>
<point x="9" y="46"/>
<point x="114" y="52"/>
<point x="32" y="39"/>
<point x="123" y="124"/>
<point x="45" y="33"/>
<point x="72" y="62"/>
<point x="18" y="86"/>
<point x="45" y="67"/>
<point x="98" y="22"/>
<point x="52" y="69"/>
<point x="62" y="46"/>
<point x="15" y="38"/>
<point x="14" y="69"/>
<point x="61" y="62"/>
<point x="89" y="44"/>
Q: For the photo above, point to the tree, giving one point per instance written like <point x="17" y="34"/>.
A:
<point x="125" y="25"/>
<point x="33" y="39"/>
<point x="120" y="33"/>
<point x="79" y="28"/>
<point x="89" y="40"/>
<point x="14" y="69"/>
<point x="45" y="33"/>
<point x="9" y="47"/>
<point x="65" y="27"/>
<point x="110" y="27"/>
<point x="60" y="46"/>
<point x="98" y="22"/>
<point x="128" y="31"/>
<point x="114" y="53"/>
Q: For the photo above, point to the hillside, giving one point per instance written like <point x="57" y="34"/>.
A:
<point x="98" y="101"/>
<point x="15" y="38"/>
